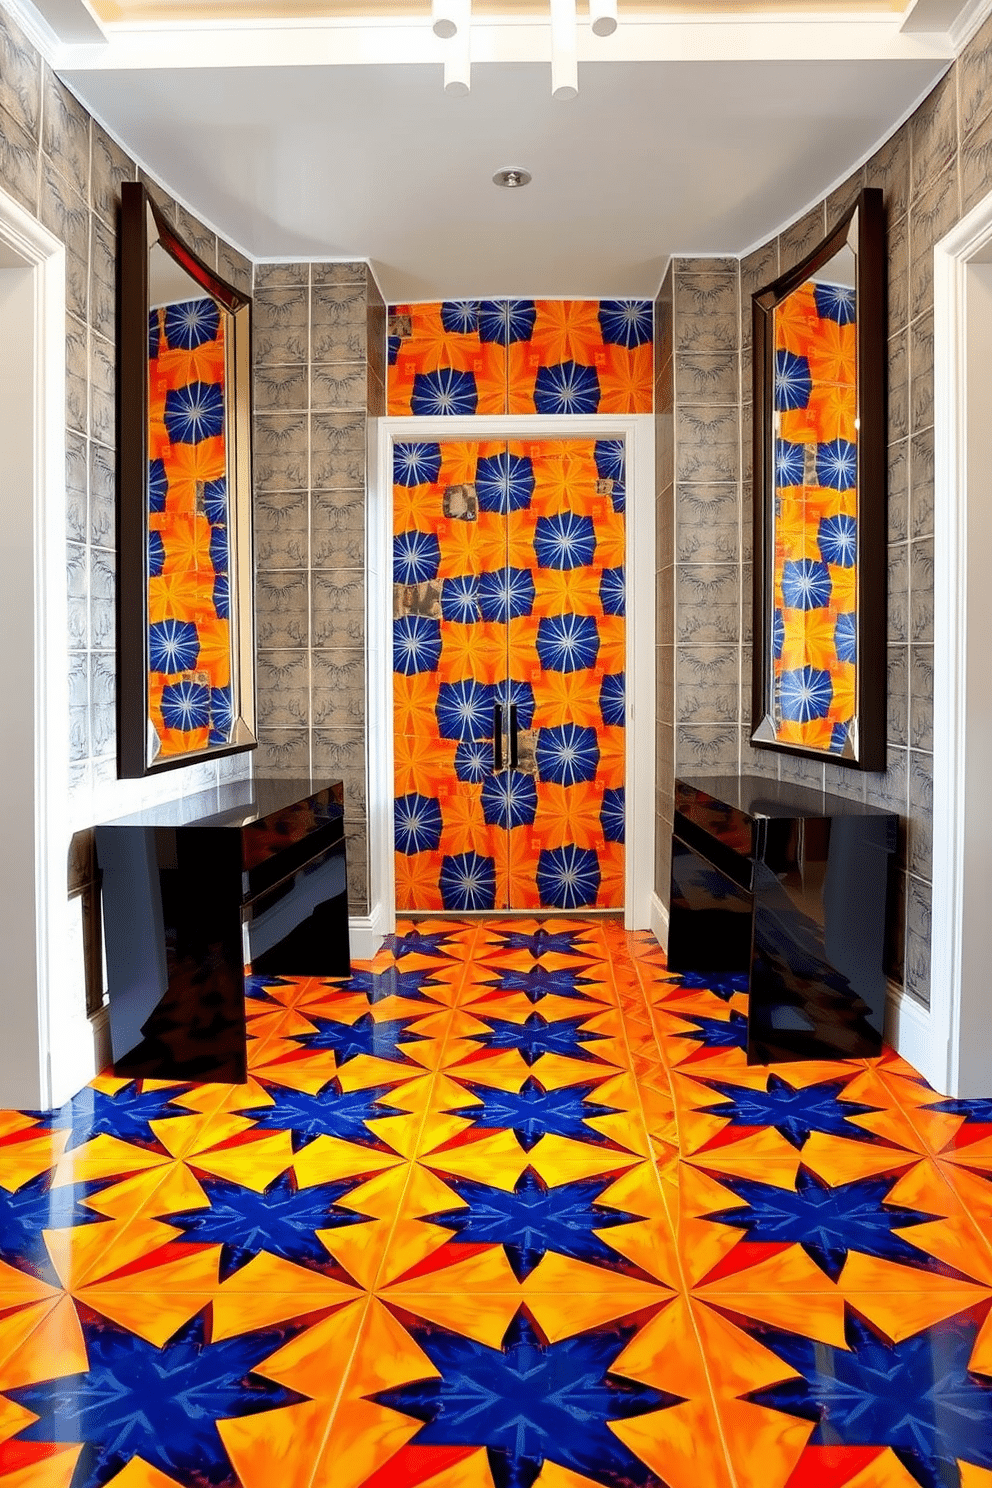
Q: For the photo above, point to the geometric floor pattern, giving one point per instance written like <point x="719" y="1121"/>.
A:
<point x="507" y="1209"/>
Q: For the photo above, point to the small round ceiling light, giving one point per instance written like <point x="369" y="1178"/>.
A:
<point x="512" y="177"/>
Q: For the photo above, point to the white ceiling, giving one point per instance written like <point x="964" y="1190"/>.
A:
<point x="336" y="140"/>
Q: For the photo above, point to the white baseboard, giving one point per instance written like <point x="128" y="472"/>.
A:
<point x="909" y="1030"/>
<point x="659" y="921"/>
<point x="366" y="934"/>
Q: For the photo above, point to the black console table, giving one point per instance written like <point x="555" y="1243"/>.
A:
<point x="251" y="872"/>
<point x="789" y="885"/>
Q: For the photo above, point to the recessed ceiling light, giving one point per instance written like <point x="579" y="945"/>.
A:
<point x="514" y="176"/>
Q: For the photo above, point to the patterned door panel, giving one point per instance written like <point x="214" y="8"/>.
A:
<point x="509" y="617"/>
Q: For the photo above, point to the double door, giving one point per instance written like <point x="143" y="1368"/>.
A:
<point x="508" y="668"/>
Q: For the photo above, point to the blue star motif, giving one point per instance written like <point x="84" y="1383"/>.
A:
<point x="613" y="814"/>
<point x="173" y="646"/>
<point x="536" y="1036"/>
<point x="722" y="984"/>
<point x="790" y="463"/>
<point x="160" y="1404"/>
<point x="534" y="1219"/>
<point x="443" y="392"/>
<point x="460" y="317"/>
<point x="626" y="323"/>
<point x="568" y="754"/>
<point x="532" y="1112"/>
<point x="794" y="1113"/>
<point x="365" y="1036"/>
<point x="918" y="1397"/>
<point x="378" y="985"/>
<point x="125" y="1114"/>
<point x="417" y="823"/>
<point x="846" y="637"/>
<point x="539" y="983"/>
<point x="467" y="881"/>
<point x="567" y="387"/>
<point x="416" y="464"/>
<point x="509" y="799"/>
<point x="805" y="694"/>
<point x="332" y="1112"/>
<point x="474" y="760"/>
<point x="37" y="1206"/>
<point x="185" y="706"/>
<point x="974" y="1111"/>
<point x="715" y="1033"/>
<point x="504" y="482"/>
<point x="282" y="1220"/>
<point x="464" y="710"/>
<point x="828" y="1222"/>
<point x="191" y="323"/>
<point x="540" y="942"/>
<point x="567" y="643"/>
<point x="416" y="644"/>
<point x="837" y="540"/>
<point x="610" y="456"/>
<point x="837" y="464"/>
<point x="460" y="599"/>
<point x="530" y="1402"/>
<point x="416" y="556"/>
<point x="215" y="500"/>
<point x="806" y="584"/>
<point x="194" y="412"/>
<point x="416" y="943"/>
<point x="158" y="485"/>
<point x="156" y="559"/>
<point x="793" y="381"/>
<point x="506" y="595"/>
<point x="506" y="321"/>
<point x="218" y="549"/>
<point x="835" y="302"/>
<point x="613" y="591"/>
<point x="565" y="541"/>
<point x="613" y="699"/>
<point x="568" y="877"/>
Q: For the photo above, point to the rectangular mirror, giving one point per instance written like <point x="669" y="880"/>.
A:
<point x="819" y="499"/>
<point x="185" y="641"/>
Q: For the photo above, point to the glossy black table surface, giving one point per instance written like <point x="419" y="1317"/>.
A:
<point x="788" y="885"/>
<point x="194" y="889"/>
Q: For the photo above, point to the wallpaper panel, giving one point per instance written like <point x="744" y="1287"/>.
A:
<point x="520" y="356"/>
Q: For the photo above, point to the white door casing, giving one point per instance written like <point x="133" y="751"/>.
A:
<point x="637" y="432"/>
<point x="36" y="1069"/>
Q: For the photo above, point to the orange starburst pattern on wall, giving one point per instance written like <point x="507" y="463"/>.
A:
<point x="521" y="356"/>
<point x="189" y="639"/>
<point x="814" y="575"/>
<point x="509" y="658"/>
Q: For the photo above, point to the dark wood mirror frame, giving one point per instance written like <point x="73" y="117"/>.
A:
<point x="862" y="228"/>
<point x="139" y="750"/>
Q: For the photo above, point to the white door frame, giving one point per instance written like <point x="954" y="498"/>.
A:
<point x="955" y="1056"/>
<point x="35" y="752"/>
<point x="637" y="432"/>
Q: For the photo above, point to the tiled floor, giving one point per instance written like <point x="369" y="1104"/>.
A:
<point x="507" y="1209"/>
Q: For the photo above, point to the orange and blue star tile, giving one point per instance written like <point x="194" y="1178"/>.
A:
<point x="507" y="1209"/>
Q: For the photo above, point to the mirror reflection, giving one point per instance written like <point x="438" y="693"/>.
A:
<point x="185" y="643"/>
<point x="190" y="703"/>
<point x="814" y="634"/>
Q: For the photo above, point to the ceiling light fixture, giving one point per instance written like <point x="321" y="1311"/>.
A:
<point x="451" y="20"/>
<point x="603" y="15"/>
<point x="512" y="177"/>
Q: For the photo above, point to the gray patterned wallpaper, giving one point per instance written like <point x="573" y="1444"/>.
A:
<point x="319" y="346"/>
